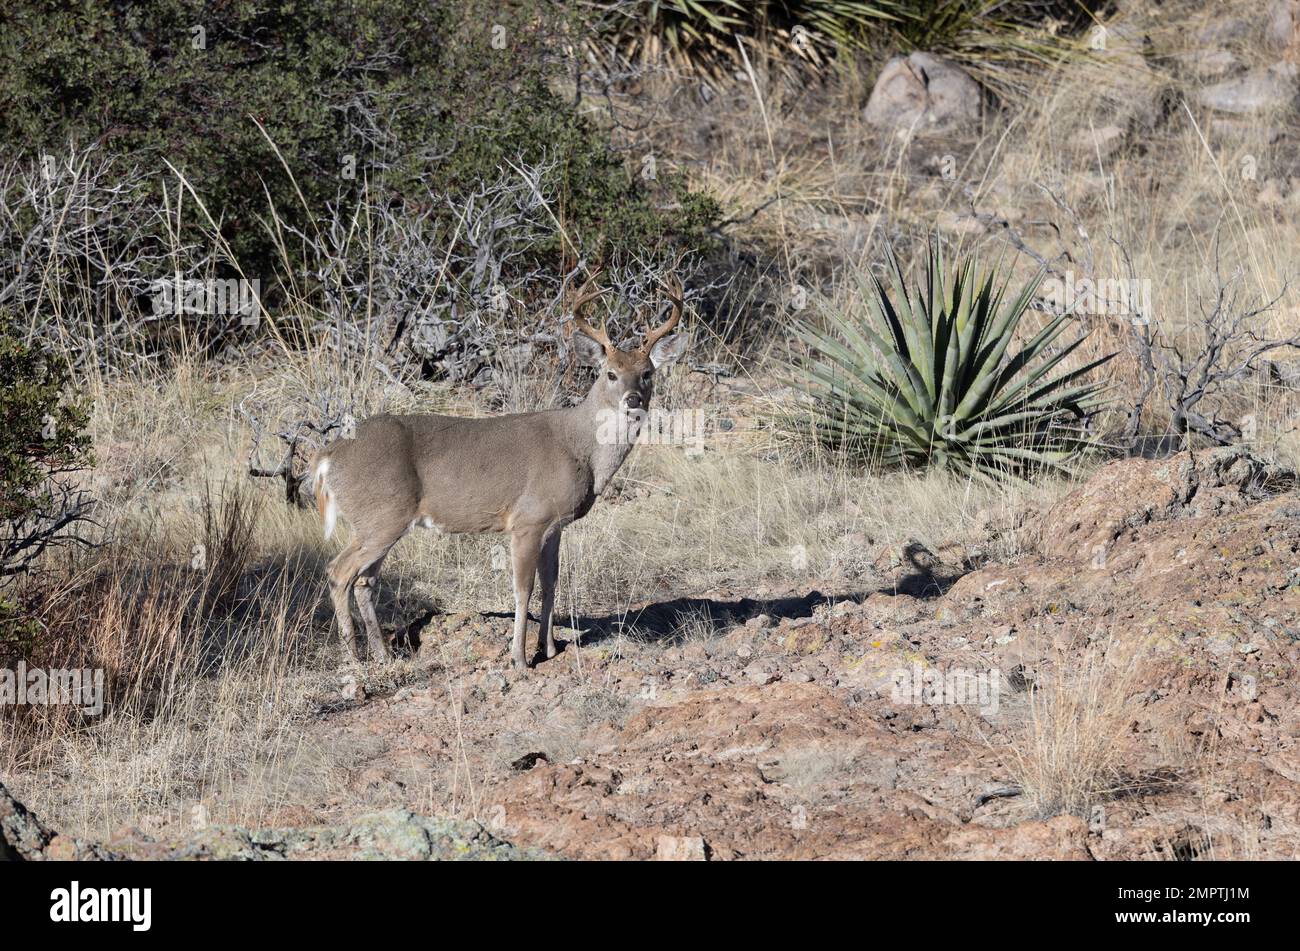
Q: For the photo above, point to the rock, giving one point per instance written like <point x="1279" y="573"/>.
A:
<point x="528" y="761"/>
<point x="1258" y="91"/>
<point x="1097" y="141"/>
<point x="1133" y="492"/>
<point x="921" y="92"/>
<point x="681" y="848"/>
<point x="762" y="674"/>
<point x="1127" y="91"/>
<point x="24" y="838"/>
<point x="806" y="639"/>
<point x="1209" y="65"/>
<point x="1283" y="23"/>
<point x="395" y="834"/>
<point x="351" y="689"/>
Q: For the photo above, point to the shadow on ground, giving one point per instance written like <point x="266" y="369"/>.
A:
<point x="665" y="622"/>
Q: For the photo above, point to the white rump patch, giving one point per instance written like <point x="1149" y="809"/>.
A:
<point x="331" y="504"/>
<point x="331" y="514"/>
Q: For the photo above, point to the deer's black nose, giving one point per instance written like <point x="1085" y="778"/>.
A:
<point x="634" y="400"/>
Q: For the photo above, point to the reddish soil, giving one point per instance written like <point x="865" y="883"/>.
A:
<point x="783" y="736"/>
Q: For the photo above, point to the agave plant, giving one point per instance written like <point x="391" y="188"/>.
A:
<point x="935" y="377"/>
<point x="994" y="39"/>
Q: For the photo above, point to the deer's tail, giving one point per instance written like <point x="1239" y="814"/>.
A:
<point x="326" y="504"/>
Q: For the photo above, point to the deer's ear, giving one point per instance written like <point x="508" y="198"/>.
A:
<point x="668" y="350"/>
<point x="591" y="353"/>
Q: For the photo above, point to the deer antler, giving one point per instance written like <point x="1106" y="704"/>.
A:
<point x="673" y="291"/>
<point x="586" y="294"/>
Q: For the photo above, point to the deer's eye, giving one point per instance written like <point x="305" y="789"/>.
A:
<point x="645" y="377"/>
<point x="612" y="376"/>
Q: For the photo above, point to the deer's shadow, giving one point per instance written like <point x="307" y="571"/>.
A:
<point x="664" y="622"/>
<point x="667" y="622"/>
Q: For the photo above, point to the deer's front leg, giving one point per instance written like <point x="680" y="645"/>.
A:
<point x="548" y="572"/>
<point x="525" y="550"/>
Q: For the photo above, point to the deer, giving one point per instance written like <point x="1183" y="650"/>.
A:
<point x="528" y="475"/>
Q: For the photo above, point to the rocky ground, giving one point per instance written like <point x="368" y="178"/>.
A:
<point x="784" y="733"/>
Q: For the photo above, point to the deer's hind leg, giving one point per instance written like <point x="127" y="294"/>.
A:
<point x="367" y="580"/>
<point x="341" y="576"/>
<point x="361" y="557"/>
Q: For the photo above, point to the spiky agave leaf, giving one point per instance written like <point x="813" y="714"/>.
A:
<point x="1002" y="43"/>
<point x="931" y="375"/>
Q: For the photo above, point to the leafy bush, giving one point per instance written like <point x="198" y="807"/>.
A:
<point x="41" y="437"/>
<point x="396" y="97"/>
<point x="930" y="377"/>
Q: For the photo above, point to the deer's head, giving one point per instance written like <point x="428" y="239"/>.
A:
<point x="625" y="378"/>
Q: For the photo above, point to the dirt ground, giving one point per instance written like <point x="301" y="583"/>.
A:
<point x="1129" y="694"/>
<point x="785" y="735"/>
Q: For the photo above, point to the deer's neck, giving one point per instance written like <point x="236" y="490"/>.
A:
<point x="602" y="437"/>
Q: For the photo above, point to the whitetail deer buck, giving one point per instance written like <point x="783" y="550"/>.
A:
<point x="529" y="474"/>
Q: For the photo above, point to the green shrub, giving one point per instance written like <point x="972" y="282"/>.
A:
<point x="931" y="377"/>
<point x="406" y="97"/>
<point x="42" y="437"/>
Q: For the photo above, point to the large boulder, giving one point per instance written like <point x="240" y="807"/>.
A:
<point x="21" y="834"/>
<point x="396" y="834"/>
<point x="24" y="838"/>
<point x="1128" y="494"/>
<point x="921" y="92"/>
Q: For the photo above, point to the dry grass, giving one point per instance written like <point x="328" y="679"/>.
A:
<point x="1070" y="754"/>
<point x="209" y="657"/>
<point x="204" y="630"/>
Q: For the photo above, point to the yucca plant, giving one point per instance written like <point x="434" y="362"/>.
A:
<point x="995" y="39"/>
<point x="933" y="376"/>
<point x="702" y="34"/>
